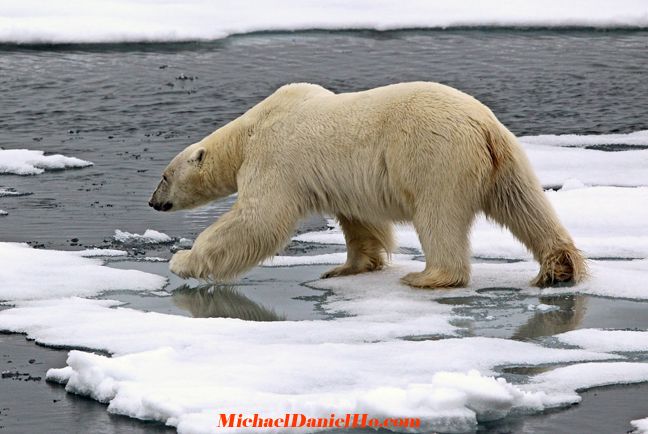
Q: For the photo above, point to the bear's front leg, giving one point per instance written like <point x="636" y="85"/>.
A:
<point x="180" y="264"/>
<point x="252" y="231"/>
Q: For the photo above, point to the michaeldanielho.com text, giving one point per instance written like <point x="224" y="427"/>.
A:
<point x="298" y="420"/>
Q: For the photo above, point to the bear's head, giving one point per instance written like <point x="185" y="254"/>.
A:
<point x="183" y="184"/>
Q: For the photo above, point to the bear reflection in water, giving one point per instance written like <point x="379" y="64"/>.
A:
<point x="568" y="317"/>
<point x="221" y="301"/>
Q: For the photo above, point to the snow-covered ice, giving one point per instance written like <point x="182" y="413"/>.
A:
<point x="207" y="366"/>
<point x="637" y="138"/>
<point x="582" y="376"/>
<point x="149" y="236"/>
<point x="91" y="253"/>
<point x="186" y="371"/>
<point x="622" y="279"/>
<point x="607" y="340"/>
<point x="640" y="425"/>
<point x="3" y="213"/>
<point x="556" y="165"/>
<point x="152" y="259"/>
<point x="30" y="162"/>
<point x="559" y="160"/>
<point x="28" y="273"/>
<point x="541" y="307"/>
<point x="324" y="259"/>
<point x="62" y="21"/>
<point x="606" y="222"/>
<point x="11" y="192"/>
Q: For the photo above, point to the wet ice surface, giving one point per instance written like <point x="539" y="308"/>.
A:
<point x="169" y="95"/>
<point x="29" y="273"/>
<point x="275" y="294"/>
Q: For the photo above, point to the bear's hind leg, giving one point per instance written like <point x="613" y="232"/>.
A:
<point x="368" y="246"/>
<point x="444" y="236"/>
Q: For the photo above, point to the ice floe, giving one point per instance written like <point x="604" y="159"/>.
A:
<point x="367" y="358"/>
<point x="91" y="253"/>
<point x="203" y="367"/>
<point x="28" y="273"/>
<point x="559" y="161"/>
<point x="640" y="425"/>
<point x="152" y="259"/>
<point x="606" y="222"/>
<point x="587" y="375"/>
<point x="556" y="165"/>
<point x="64" y="21"/>
<point x="541" y="307"/>
<point x="3" y="213"/>
<point x="30" y="162"/>
<point x="607" y="340"/>
<point x="11" y="192"/>
<point x="637" y="138"/>
<point x="324" y="259"/>
<point x="621" y="279"/>
<point x="149" y="236"/>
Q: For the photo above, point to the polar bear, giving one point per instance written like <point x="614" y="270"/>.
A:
<point x="411" y="152"/>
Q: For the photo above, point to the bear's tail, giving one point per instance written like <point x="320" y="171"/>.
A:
<point x="516" y="200"/>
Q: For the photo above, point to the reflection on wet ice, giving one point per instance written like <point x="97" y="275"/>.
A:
<point x="568" y="317"/>
<point x="221" y="301"/>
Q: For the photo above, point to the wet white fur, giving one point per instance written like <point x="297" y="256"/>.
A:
<point x="419" y="152"/>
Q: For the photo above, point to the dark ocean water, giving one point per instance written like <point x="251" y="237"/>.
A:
<point x="130" y="108"/>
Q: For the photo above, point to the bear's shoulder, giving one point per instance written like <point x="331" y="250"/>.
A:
<point x="301" y="90"/>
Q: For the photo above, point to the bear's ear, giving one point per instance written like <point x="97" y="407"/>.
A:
<point x="197" y="156"/>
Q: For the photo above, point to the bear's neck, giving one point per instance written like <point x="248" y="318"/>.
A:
<point x="226" y="160"/>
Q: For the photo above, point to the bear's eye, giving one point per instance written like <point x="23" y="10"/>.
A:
<point x="164" y="178"/>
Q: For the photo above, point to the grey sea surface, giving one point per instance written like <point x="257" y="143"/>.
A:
<point x="129" y="108"/>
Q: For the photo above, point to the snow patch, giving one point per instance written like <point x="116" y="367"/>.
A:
<point x="555" y="165"/>
<point x="153" y="259"/>
<point x="583" y="376"/>
<point x="11" y="192"/>
<point x="353" y="364"/>
<point x="640" y="425"/>
<point x="149" y="236"/>
<point x="91" y="21"/>
<point x="606" y="340"/>
<point x="92" y="253"/>
<point x="28" y="273"/>
<point x="606" y="222"/>
<point x="637" y="138"/>
<point x="542" y="307"/>
<point x="572" y="184"/>
<point x="621" y="279"/>
<point x="29" y="162"/>
<point x="324" y="259"/>
<point x="185" y="242"/>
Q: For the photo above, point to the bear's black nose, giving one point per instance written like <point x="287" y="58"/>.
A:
<point x="160" y="207"/>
